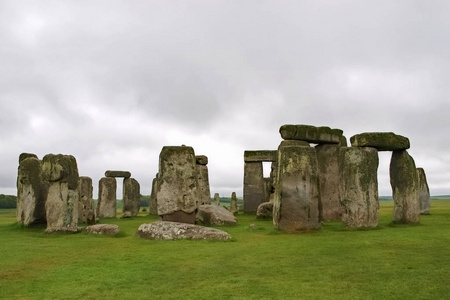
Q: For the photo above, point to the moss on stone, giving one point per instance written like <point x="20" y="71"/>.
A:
<point x="382" y="141"/>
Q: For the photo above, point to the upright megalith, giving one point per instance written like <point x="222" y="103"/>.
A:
<point x="86" y="212"/>
<point x="152" y="205"/>
<point x="31" y="191"/>
<point x="405" y="188"/>
<point x="311" y="134"/>
<point x="359" y="186"/>
<point x="216" y="199"/>
<point x="204" y="193"/>
<point x="424" y="192"/>
<point x="107" y="200"/>
<point x="382" y="141"/>
<point x="61" y="173"/>
<point x="296" y="203"/>
<point x="329" y="178"/>
<point x="233" y="204"/>
<point x="177" y="192"/>
<point x="131" y="197"/>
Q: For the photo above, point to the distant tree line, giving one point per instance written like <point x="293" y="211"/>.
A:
<point x="8" y="201"/>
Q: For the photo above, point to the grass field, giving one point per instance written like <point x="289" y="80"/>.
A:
<point x="390" y="262"/>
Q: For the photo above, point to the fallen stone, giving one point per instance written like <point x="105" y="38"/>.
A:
<point x="382" y="141"/>
<point x="311" y="134"/>
<point x="285" y="143"/>
<point x="124" y="174"/>
<point x="424" y="192"/>
<point x="215" y="215"/>
<point x="265" y="211"/>
<point x="260" y="155"/>
<point x="103" y="229"/>
<point x="162" y="230"/>
<point x="86" y="212"/>
<point x="153" y="206"/>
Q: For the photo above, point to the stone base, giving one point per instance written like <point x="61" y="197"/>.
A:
<point x="180" y="217"/>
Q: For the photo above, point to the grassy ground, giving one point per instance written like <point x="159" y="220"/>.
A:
<point x="390" y="262"/>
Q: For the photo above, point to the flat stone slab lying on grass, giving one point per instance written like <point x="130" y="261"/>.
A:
<point x="105" y="229"/>
<point x="382" y="141"/>
<point x="124" y="174"/>
<point x="164" y="230"/>
<point x="311" y="134"/>
<point x="210" y="214"/>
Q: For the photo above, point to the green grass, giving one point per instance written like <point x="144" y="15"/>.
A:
<point x="390" y="262"/>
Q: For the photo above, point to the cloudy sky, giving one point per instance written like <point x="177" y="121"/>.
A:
<point x="112" y="82"/>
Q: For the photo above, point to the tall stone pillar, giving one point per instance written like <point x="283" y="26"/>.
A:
<point x="31" y="192"/>
<point x="296" y="203"/>
<point x="86" y="213"/>
<point x="233" y="204"/>
<point x="177" y="184"/>
<point x="202" y="180"/>
<point x="61" y="206"/>
<point x="153" y="206"/>
<point x="359" y="186"/>
<point x="424" y="192"/>
<point x="107" y="200"/>
<point x="217" y="199"/>
<point x="405" y="187"/>
<point x="131" y="197"/>
<point x="254" y="186"/>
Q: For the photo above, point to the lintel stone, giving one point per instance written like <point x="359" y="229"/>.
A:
<point x="124" y="174"/>
<point x="382" y="141"/>
<point x="311" y="134"/>
<point x="260" y="155"/>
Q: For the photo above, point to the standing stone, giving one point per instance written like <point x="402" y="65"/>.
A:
<point x="216" y="199"/>
<point x="61" y="206"/>
<point x="296" y="203"/>
<point x="359" y="186"/>
<point x="107" y="200"/>
<point x="330" y="199"/>
<point x="202" y="180"/>
<point x="131" y="197"/>
<point x="177" y="184"/>
<point x="233" y="204"/>
<point x="254" y="186"/>
<point x="86" y="212"/>
<point x="265" y="211"/>
<point x="424" y="192"/>
<point x="153" y="204"/>
<point x="405" y="188"/>
<point x="31" y="192"/>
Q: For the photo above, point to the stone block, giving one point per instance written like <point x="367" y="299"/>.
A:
<point x="131" y="197"/>
<point x="153" y="205"/>
<point x="311" y="134"/>
<point x="260" y="155"/>
<point x="107" y="199"/>
<point x="201" y="159"/>
<point x="382" y="141"/>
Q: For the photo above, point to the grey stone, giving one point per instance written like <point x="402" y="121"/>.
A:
<point x="177" y="183"/>
<point x="201" y="160"/>
<point x="124" y="174"/>
<point x="86" y="212"/>
<point x="296" y="203"/>
<point x="103" y="229"/>
<point x="61" y="206"/>
<point x="31" y="193"/>
<point x="162" y="230"/>
<point x="254" y="186"/>
<point x="293" y="143"/>
<point x="107" y="200"/>
<point x="260" y="155"/>
<point x="216" y="199"/>
<point x="405" y="188"/>
<point x="131" y="197"/>
<point x="153" y="205"/>
<point x="233" y="204"/>
<point x="311" y="134"/>
<point x="265" y="211"/>
<point x="424" y="192"/>
<point x="329" y="178"/>
<point x="24" y="156"/>
<point x="204" y="193"/>
<point x="382" y="141"/>
<point x="215" y="215"/>
<point x="359" y="186"/>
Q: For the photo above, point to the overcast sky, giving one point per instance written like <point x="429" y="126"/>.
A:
<point x="112" y="82"/>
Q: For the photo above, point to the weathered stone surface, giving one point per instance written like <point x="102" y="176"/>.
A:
<point x="311" y="134"/>
<point x="296" y="203"/>
<point x="254" y="186"/>
<point x="103" y="229"/>
<point x="343" y="142"/>
<point x="293" y="143"/>
<point x="405" y="188"/>
<point x="86" y="212"/>
<point x="124" y="174"/>
<point x="359" y="186"/>
<point x="424" y="192"/>
<point x="24" y="156"/>
<point x="177" y="182"/>
<point x="204" y="193"/>
<point x="201" y="159"/>
<point x="31" y="192"/>
<point x="260" y="155"/>
<point x="107" y="200"/>
<point x="153" y="205"/>
<point x="382" y="141"/>
<point x="265" y="211"/>
<point x="215" y="215"/>
<point x="61" y="206"/>
<point x="329" y="180"/>
<point x="131" y="197"/>
<point x="233" y="204"/>
<point x="162" y="230"/>
<point x="216" y="199"/>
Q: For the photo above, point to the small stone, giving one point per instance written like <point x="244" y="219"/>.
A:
<point x="201" y="159"/>
<point x="265" y="211"/>
<point x="104" y="229"/>
<point x="215" y="215"/>
<point x="311" y="134"/>
<point x="260" y="155"/>
<point x="424" y="192"/>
